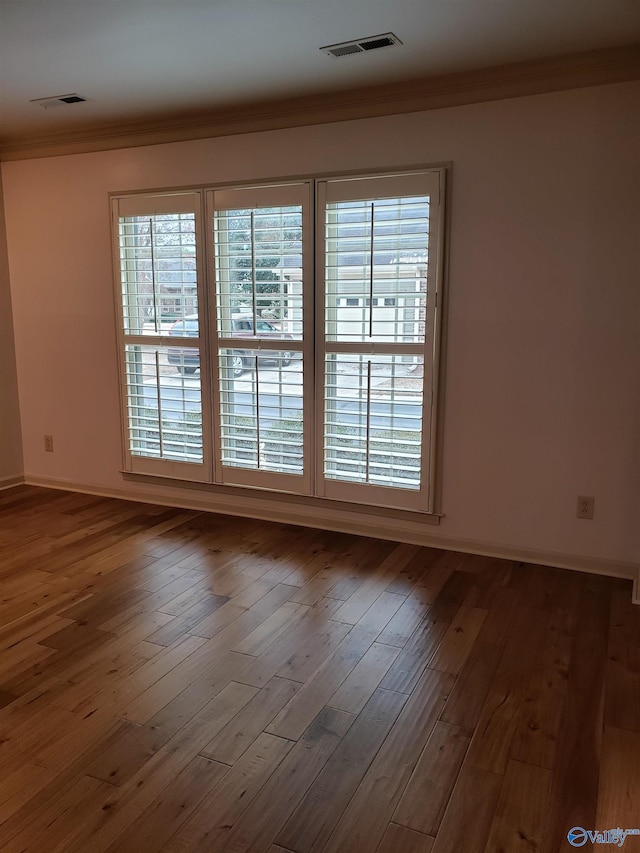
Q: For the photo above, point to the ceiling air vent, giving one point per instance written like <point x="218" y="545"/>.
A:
<point x="59" y="100"/>
<point x="346" y="48"/>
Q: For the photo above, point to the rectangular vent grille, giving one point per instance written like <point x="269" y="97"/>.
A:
<point x="346" y="48"/>
<point x="59" y="100"/>
<point x="373" y="44"/>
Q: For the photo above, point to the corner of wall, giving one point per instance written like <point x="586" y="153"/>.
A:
<point x="11" y="459"/>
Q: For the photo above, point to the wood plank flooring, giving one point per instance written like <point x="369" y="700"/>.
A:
<point x="182" y="681"/>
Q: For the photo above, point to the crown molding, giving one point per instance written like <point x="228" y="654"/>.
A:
<point x="573" y="71"/>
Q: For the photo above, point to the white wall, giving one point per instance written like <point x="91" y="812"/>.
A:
<point x="542" y="398"/>
<point x="10" y="441"/>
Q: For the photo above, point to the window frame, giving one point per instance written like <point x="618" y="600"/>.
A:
<point x="345" y="188"/>
<point x="156" y="204"/>
<point x="231" y="197"/>
<point x="209" y="474"/>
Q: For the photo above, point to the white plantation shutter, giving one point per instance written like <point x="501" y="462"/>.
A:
<point x="308" y="362"/>
<point x="378" y="247"/>
<point x="159" y="286"/>
<point x="373" y="419"/>
<point x="262" y="242"/>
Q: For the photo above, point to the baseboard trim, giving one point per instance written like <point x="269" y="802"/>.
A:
<point x="356" y="522"/>
<point x="10" y="482"/>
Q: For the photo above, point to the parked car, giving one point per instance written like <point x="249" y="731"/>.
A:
<point x="188" y="360"/>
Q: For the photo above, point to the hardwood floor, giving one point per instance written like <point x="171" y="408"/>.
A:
<point x="178" y="681"/>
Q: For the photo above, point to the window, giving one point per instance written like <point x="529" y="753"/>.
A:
<point x="161" y="346"/>
<point x="377" y="368"/>
<point x="260" y="240"/>
<point x="284" y="337"/>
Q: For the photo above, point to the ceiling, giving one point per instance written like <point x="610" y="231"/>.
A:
<point x="146" y="59"/>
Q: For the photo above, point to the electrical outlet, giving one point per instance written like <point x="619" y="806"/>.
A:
<point x="585" y="506"/>
<point x="48" y="443"/>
